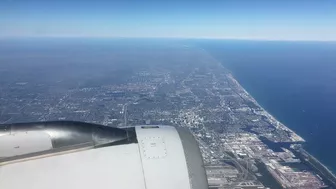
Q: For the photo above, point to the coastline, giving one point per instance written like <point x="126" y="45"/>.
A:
<point x="278" y="125"/>
<point x="302" y="150"/>
<point x="308" y="158"/>
<point x="321" y="169"/>
<point x="232" y="75"/>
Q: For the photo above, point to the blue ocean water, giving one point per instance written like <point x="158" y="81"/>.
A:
<point x="294" y="81"/>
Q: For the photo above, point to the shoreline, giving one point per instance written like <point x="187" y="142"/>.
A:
<point x="313" y="157"/>
<point x="318" y="167"/>
<point x="230" y="75"/>
<point x="279" y="124"/>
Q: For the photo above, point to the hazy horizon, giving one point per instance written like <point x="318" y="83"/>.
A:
<point x="160" y="38"/>
<point x="240" y="19"/>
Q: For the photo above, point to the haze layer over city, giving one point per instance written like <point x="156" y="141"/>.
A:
<point x="253" y="81"/>
<point x="165" y="82"/>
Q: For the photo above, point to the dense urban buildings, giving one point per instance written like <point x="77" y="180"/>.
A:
<point x="243" y="145"/>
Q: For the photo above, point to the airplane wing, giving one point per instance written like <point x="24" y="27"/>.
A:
<point x="68" y="155"/>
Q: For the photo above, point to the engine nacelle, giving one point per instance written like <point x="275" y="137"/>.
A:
<point x="66" y="154"/>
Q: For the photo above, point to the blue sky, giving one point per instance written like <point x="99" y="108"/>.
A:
<point x="228" y="19"/>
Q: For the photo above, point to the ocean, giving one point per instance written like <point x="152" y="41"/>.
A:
<point x="294" y="81"/>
